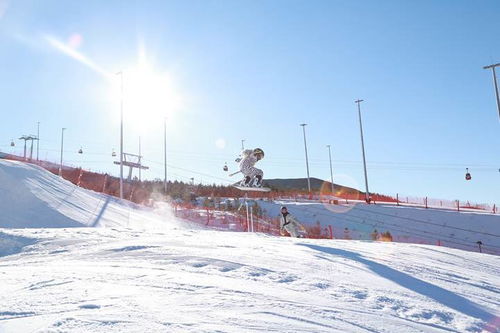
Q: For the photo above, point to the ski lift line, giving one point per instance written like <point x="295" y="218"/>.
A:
<point x="317" y="160"/>
<point x="191" y="171"/>
<point x="386" y="162"/>
<point x="425" y="222"/>
<point x="372" y="165"/>
<point x="321" y="161"/>
<point x="200" y="173"/>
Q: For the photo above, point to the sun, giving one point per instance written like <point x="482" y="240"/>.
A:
<point x="148" y="96"/>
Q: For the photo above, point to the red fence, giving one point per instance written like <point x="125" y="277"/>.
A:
<point x="399" y="200"/>
<point x="97" y="182"/>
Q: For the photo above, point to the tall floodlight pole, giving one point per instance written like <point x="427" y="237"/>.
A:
<point x="242" y="145"/>
<point x="331" y="169"/>
<point x="495" y="84"/>
<point x="307" y="160"/>
<point x="140" y="158"/>
<point x="62" y="147"/>
<point x="367" y="192"/>
<point x="165" y="153"/>
<point x="121" y="133"/>
<point x="37" y="140"/>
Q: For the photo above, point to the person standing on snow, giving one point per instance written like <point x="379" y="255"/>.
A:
<point x="289" y="223"/>
<point x="247" y="160"/>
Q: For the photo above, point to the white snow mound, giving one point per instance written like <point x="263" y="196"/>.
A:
<point x="32" y="197"/>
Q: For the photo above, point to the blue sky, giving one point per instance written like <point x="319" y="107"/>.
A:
<point x="255" y="70"/>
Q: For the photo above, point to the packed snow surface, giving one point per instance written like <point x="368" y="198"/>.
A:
<point x="145" y="271"/>
<point x="123" y="280"/>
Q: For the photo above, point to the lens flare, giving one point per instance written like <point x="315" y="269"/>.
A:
<point x="71" y="52"/>
<point x="220" y="143"/>
<point x="344" y="197"/>
<point x="75" y="41"/>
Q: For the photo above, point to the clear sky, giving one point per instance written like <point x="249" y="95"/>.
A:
<point x="223" y="71"/>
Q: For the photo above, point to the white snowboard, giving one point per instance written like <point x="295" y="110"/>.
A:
<point x="256" y="189"/>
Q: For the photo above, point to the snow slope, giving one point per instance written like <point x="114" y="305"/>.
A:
<point x="406" y="224"/>
<point x="32" y="197"/>
<point x="123" y="280"/>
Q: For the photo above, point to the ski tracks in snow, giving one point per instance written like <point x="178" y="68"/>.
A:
<point x="204" y="281"/>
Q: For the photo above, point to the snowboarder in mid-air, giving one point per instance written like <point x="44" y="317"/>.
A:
<point x="247" y="160"/>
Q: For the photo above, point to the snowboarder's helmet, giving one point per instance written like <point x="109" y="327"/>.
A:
<point x="283" y="207"/>
<point x="258" y="151"/>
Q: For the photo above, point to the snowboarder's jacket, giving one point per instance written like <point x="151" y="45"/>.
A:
<point x="247" y="162"/>
<point x="290" y="224"/>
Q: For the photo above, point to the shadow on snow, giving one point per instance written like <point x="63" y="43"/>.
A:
<point x="434" y="292"/>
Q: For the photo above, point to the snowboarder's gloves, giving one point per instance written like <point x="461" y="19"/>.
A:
<point x="238" y="160"/>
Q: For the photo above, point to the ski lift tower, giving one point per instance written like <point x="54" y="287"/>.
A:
<point x="27" y="138"/>
<point x="132" y="161"/>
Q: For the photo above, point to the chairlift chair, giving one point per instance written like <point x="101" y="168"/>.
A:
<point x="12" y="144"/>
<point x="225" y="168"/>
<point x="113" y="153"/>
<point x="467" y="174"/>
<point x="80" y="151"/>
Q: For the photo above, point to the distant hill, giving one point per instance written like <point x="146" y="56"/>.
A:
<point x="300" y="184"/>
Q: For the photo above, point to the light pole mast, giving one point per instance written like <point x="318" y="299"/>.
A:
<point x="165" y="153"/>
<point x="37" y="140"/>
<point x="62" y="146"/>
<point x="121" y="133"/>
<point x="307" y="160"/>
<point x="331" y="169"/>
<point x="140" y="158"/>
<point x="367" y="192"/>
<point x="495" y="84"/>
<point x="242" y="145"/>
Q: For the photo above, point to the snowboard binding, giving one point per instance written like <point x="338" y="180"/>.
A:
<point x="255" y="182"/>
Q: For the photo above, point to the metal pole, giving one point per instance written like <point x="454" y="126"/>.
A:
<point x="251" y="218"/>
<point x="62" y="146"/>
<point x="140" y="157"/>
<point x="37" y="140"/>
<point x="307" y="160"/>
<point x="242" y="145"/>
<point x="495" y="84"/>
<point x="121" y="133"/>
<point x="367" y="194"/>
<point x="31" y="149"/>
<point x="248" y="221"/>
<point x="165" y="153"/>
<point x="331" y="169"/>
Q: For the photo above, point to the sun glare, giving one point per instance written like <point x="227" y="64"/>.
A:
<point x="148" y="97"/>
